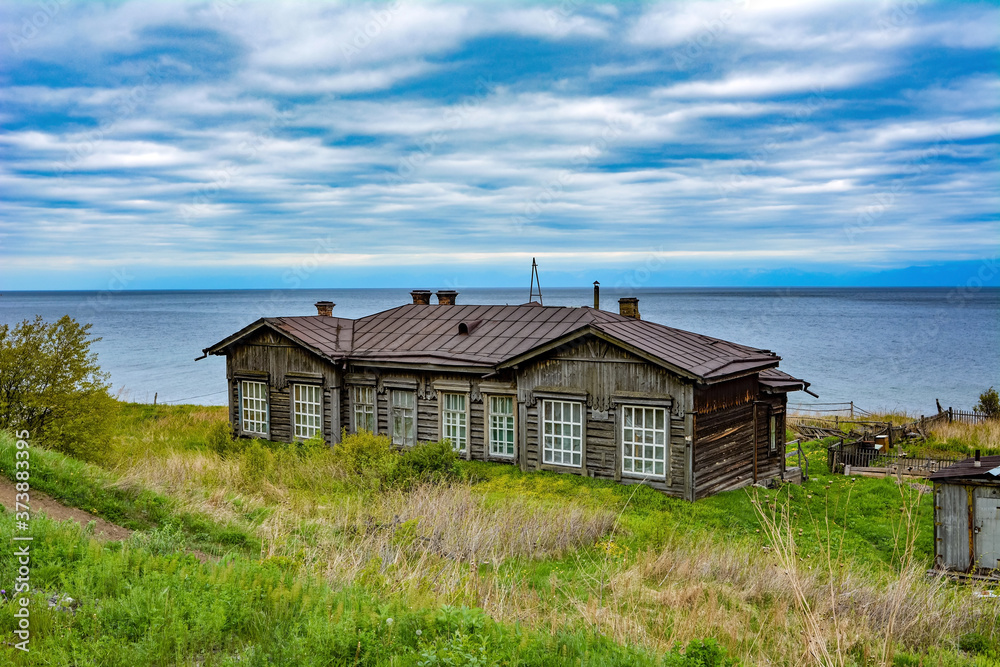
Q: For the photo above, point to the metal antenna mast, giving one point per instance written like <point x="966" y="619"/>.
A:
<point x="535" y="281"/>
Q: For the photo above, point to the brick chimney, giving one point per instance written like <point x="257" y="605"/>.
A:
<point x="628" y="306"/>
<point x="446" y="297"/>
<point x="325" y="308"/>
<point x="421" y="297"/>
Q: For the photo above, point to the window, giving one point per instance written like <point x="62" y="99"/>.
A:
<point x="403" y="417"/>
<point x="562" y="433"/>
<point x="774" y="433"/>
<point x="644" y="440"/>
<point x="307" y="409"/>
<point x="364" y="409"/>
<point x="501" y="428"/>
<point x="454" y="421"/>
<point x="253" y="407"/>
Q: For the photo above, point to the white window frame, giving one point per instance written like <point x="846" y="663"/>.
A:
<point x="363" y="405"/>
<point x="501" y="422"/>
<point x="639" y="441"/>
<point x="556" y="445"/>
<point x="258" y="405"/>
<point x="307" y="410"/>
<point x="404" y="412"/>
<point x="772" y="426"/>
<point x="455" y="420"/>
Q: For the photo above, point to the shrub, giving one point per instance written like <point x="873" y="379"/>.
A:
<point x="52" y="386"/>
<point x="367" y="456"/>
<point x="257" y="462"/>
<point x="221" y="441"/>
<point x="432" y="461"/>
<point x="313" y="445"/>
<point x="989" y="403"/>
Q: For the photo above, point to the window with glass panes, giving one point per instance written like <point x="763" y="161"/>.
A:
<point x="403" y="417"/>
<point x="562" y="433"/>
<point x="364" y="409"/>
<point x="644" y="440"/>
<point x="501" y="428"/>
<point x="454" y="421"/>
<point x="253" y="407"/>
<point x="307" y="406"/>
<point x="773" y="424"/>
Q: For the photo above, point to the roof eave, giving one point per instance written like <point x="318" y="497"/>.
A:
<point x="588" y="329"/>
<point x="219" y="348"/>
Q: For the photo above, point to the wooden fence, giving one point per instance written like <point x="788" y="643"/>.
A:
<point x="862" y="458"/>
<point x="966" y="417"/>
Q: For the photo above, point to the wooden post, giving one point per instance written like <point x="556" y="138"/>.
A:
<point x="155" y="394"/>
<point x="852" y="409"/>
<point x="949" y="415"/>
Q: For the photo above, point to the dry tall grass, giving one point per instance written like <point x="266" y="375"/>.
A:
<point x="449" y="544"/>
<point x="984" y="436"/>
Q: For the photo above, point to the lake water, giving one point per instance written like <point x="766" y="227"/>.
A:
<point x="882" y="348"/>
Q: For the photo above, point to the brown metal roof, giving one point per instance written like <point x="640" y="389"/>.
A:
<point x="499" y="334"/>
<point x="989" y="469"/>
<point x="781" y="381"/>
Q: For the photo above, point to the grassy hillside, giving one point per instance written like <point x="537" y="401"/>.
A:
<point x="490" y="564"/>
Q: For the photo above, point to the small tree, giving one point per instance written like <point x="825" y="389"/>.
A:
<point x="52" y="386"/>
<point x="989" y="403"/>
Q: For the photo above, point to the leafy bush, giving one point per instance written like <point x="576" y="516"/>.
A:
<point x="366" y="456"/>
<point x="257" y="463"/>
<point x="699" y="653"/>
<point x="221" y="441"/>
<point x="311" y="446"/>
<point x="989" y="403"/>
<point x="52" y="386"/>
<point x="432" y="461"/>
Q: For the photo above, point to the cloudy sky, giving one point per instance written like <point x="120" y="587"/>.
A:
<point x="236" y="143"/>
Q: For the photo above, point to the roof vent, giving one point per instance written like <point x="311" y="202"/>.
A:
<point x="325" y="308"/>
<point x="421" y="297"/>
<point x="446" y="297"/>
<point x="464" y="328"/>
<point x="628" y="306"/>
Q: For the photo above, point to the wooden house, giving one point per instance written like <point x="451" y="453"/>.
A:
<point x="573" y="390"/>
<point x="967" y="515"/>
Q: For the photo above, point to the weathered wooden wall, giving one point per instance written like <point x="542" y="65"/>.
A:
<point x="723" y="449"/>
<point x="604" y="378"/>
<point x="270" y="357"/>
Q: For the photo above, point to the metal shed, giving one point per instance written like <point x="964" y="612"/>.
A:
<point x="967" y="515"/>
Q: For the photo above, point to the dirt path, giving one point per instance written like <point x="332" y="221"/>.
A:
<point x="42" y="503"/>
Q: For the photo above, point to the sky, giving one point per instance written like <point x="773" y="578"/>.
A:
<point x="230" y="144"/>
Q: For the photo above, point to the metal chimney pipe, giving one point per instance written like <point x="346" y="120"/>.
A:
<point x="597" y="295"/>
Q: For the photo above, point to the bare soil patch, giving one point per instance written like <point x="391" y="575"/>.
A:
<point x="42" y="503"/>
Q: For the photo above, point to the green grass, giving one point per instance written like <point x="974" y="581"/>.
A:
<point x="95" y="490"/>
<point x="669" y="570"/>
<point x="139" y="608"/>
